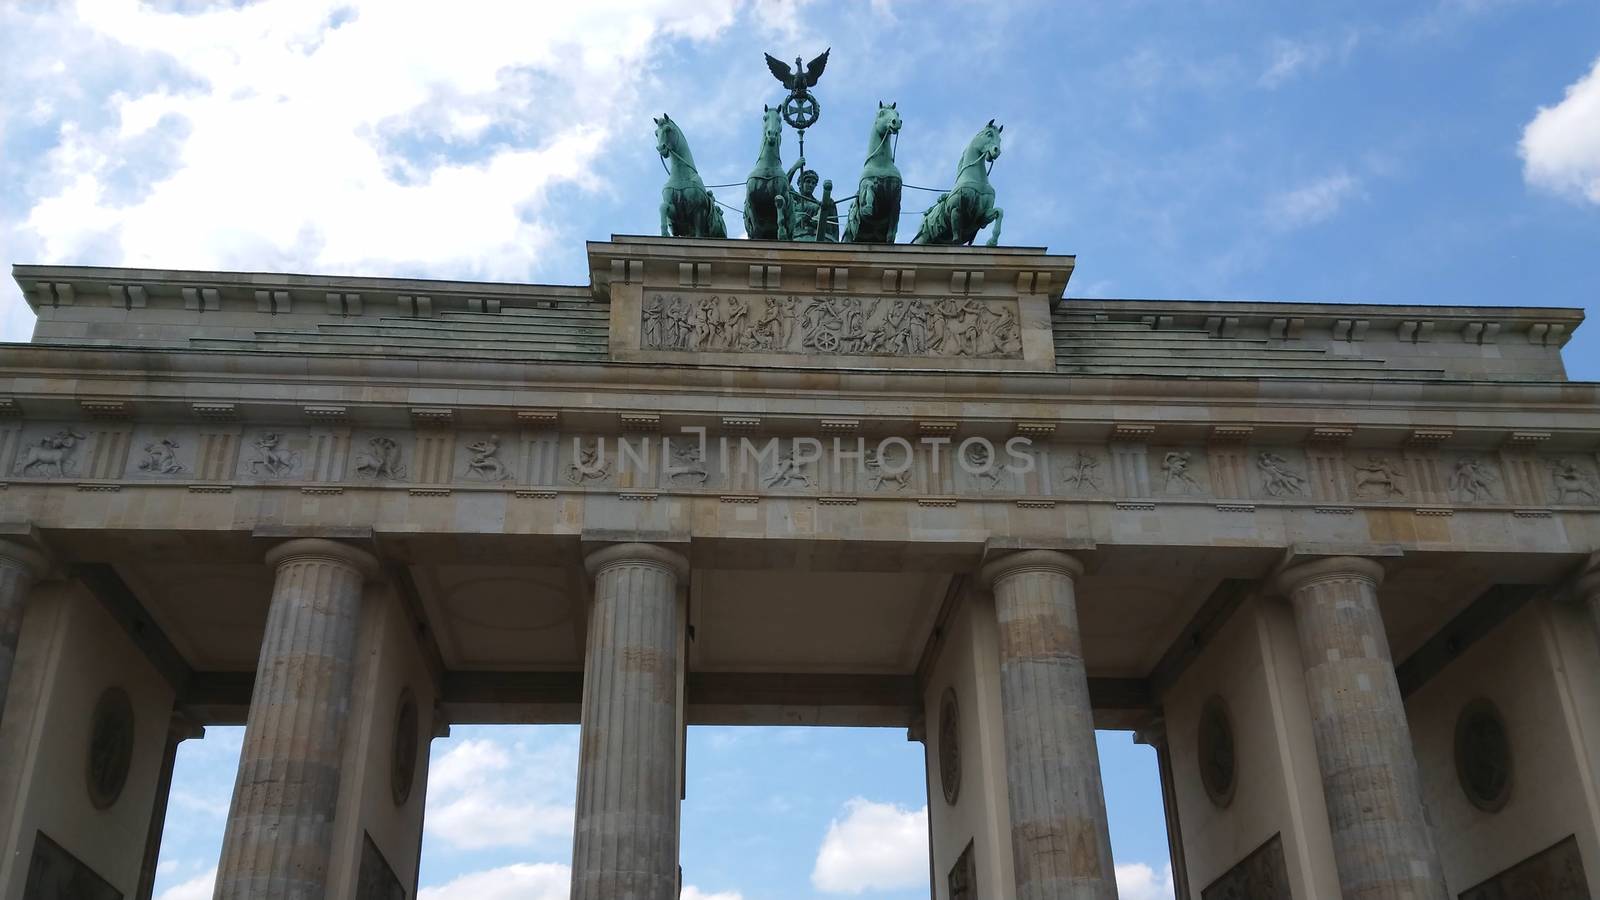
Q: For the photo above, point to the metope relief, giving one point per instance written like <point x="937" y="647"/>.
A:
<point x="1474" y="480"/>
<point x="1279" y="476"/>
<point x="382" y="459"/>
<point x="589" y="463"/>
<point x="1080" y="472"/>
<point x="52" y="456"/>
<point x="833" y="325"/>
<point x="1180" y="472"/>
<point x="1573" y="482"/>
<point x="1379" y="478"/>
<point x="270" y="456"/>
<point x="483" y="462"/>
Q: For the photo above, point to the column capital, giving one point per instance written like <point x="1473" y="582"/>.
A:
<point x="648" y="554"/>
<point x="322" y="548"/>
<point x="23" y="557"/>
<point x="1053" y="561"/>
<point x="1298" y="576"/>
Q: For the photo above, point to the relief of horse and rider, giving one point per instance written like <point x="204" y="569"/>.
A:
<point x="778" y="207"/>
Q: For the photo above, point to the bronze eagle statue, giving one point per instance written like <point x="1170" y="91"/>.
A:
<point x="800" y="77"/>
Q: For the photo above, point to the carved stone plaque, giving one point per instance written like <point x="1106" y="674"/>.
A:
<point x="403" y="752"/>
<point x="950" y="746"/>
<point x="110" y="747"/>
<point x="55" y="874"/>
<point x="1553" y="874"/>
<point x="375" y="880"/>
<point x="832" y="325"/>
<point x="1263" y="875"/>
<point x="1218" y="764"/>
<point x="1483" y="756"/>
<point x="963" y="879"/>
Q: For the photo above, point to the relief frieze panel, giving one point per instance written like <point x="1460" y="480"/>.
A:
<point x="832" y="325"/>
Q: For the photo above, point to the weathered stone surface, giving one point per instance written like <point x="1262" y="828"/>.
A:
<point x="19" y="567"/>
<point x="280" y="827"/>
<point x="1382" y="844"/>
<point x="1060" y="841"/>
<point x="625" y="846"/>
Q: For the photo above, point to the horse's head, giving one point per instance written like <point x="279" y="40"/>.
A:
<point x="771" y="126"/>
<point x="887" y="120"/>
<point x="986" y="143"/>
<point x="668" y="138"/>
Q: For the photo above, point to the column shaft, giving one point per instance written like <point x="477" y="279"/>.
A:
<point x="1382" y="844"/>
<point x="280" y="828"/>
<point x="19" y="567"/>
<point x="625" y="846"/>
<point x="1060" y="841"/>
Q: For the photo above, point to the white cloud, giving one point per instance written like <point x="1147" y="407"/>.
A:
<point x="1290" y="59"/>
<point x="1561" y="147"/>
<point x="876" y="846"/>
<point x="1137" y="881"/>
<point x="199" y="887"/>
<point x="690" y="892"/>
<point x="1311" y="203"/>
<point x="522" y="881"/>
<point x="345" y="135"/>
<point x="491" y="793"/>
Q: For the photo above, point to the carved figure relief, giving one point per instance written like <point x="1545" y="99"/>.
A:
<point x="483" y="461"/>
<point x="273" y="459"/>
<point x="963" y="878"/>
<point x="55" y="874"/>
<point x="1217" y="760"/>
<point x="110" y="747"/>
<point x="1483" y="756"/>
<point x="950" y="746"/>
<point x="688" y="464"/>
<point x="1263" y="875"/>
<point x="1555" y="873"/>
<point x="1571" y="481"/>
<point x="787" y="471"/>
<point x="375" y="878"/>
<point x="986" y="470"/>
<point x="1473" y="480"/>
<point x="1082" y="472"/>
<point x="1175" y="465"/>
<point x="1379" y="476"/>
<point x="589" y="464"/>
<point x="1277" y="477"/>
<point x="832" y="324"/>
<point x="161" y="458"/>
<point x="880" y="473"/>
<point x="52" y="454"/>
<point x="381" y="460"/>
<point x="403" y="748"/>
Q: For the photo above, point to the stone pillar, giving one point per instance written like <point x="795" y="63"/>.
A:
<point x="1154" y="735"/>
<point x="1060" y="842"/>
<point x="280" y="828"/>
<point x="20" y="567"/>
<point x="1382" y="845"/>
<point x="1589" y="591"/>
<point x="625" y="846"/>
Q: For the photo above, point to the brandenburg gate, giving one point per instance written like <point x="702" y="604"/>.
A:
<point x="1337" y="564"/>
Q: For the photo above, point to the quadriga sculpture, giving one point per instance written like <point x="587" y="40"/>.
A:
<point x="766" y="191"/>
<point x="958" y="216"/>
<point x="687" y="208"/>
<point x="875" y="215"/>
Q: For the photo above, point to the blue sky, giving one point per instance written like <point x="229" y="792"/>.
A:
<point x="1437" y="151"/>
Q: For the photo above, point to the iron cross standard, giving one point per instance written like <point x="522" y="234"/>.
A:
<point x="800" y="110"/>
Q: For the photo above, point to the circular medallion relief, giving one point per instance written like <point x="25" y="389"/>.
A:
<point x="1483" y="756"/>
<point x="110" y="747"/>
<point x="403" y="752"/>
<point x="1218" y="765"/>
<point x="950" y="746"/>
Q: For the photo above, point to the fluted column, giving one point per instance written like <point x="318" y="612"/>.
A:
<point x="1060" y="841"/>
<point x="280" y="828"/>
<point x="20" y="567"/>
<point x="625" y="846"/>
<point x="1382" y="845"/>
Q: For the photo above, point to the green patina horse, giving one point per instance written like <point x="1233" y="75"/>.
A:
<point x="687" y="208"/>
<point x="766" y="191"/>
<point x="875" y="216"/>
<point x="958" y="216"/>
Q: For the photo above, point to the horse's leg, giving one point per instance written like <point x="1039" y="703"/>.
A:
<point x="998" y="218"/>
<point x="666" y="218"/>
